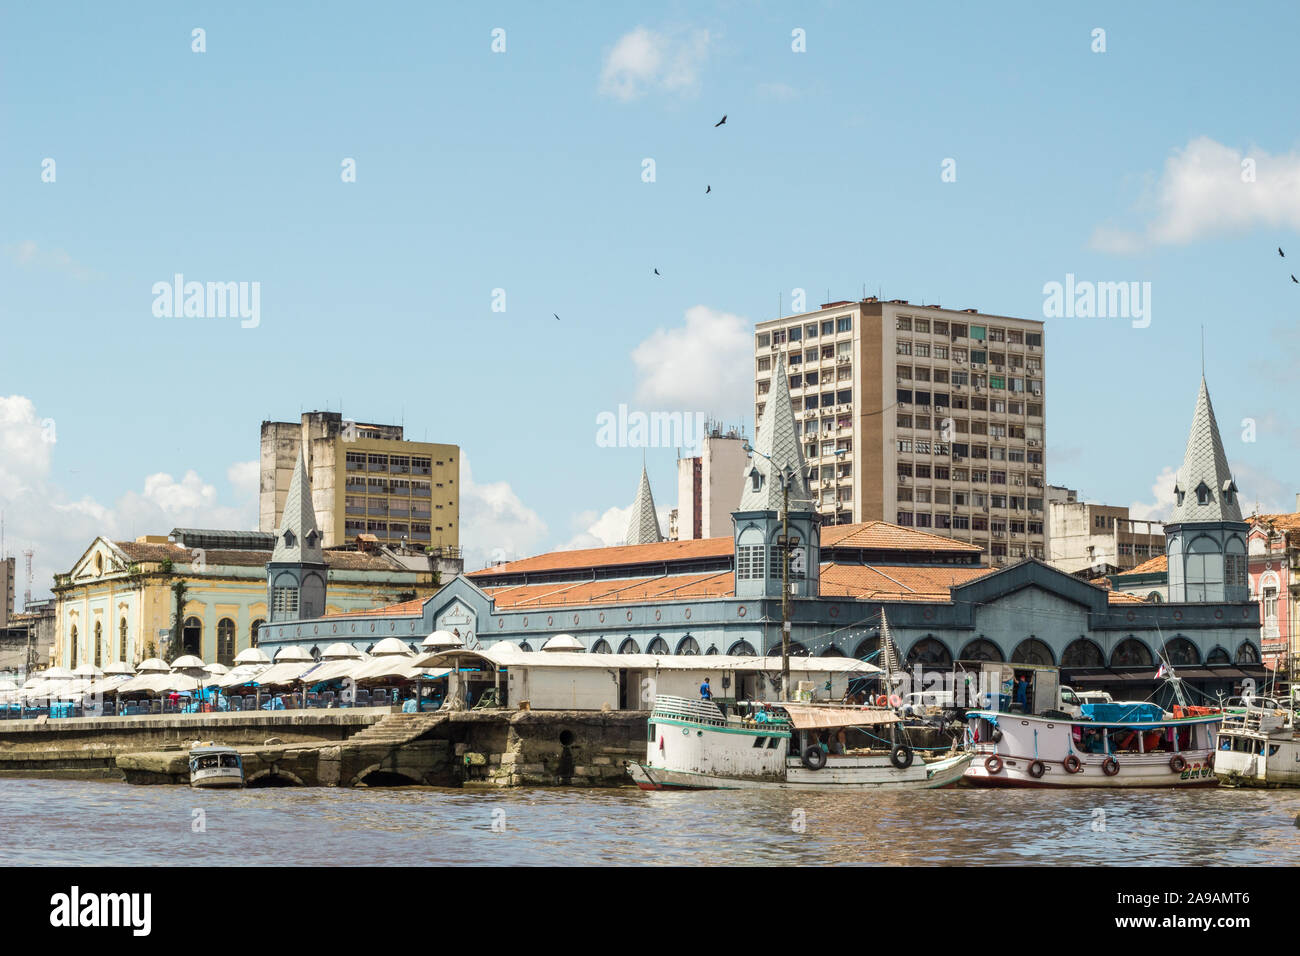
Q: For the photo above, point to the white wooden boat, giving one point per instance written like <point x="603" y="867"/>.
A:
<point x="214" y="766"/>
<point x="1019" y="750"/>
<point x="691" y="745"/>
<point x="1257" y="746"/>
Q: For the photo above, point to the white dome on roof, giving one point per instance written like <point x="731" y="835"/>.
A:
<point x="389" y="646"/>
<point x="563" y="642"/>
<point x="342" y="651"/>
<point x="441" y="641"/>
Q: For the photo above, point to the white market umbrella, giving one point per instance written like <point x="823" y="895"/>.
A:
<point x="252" y="655"/>
<point x="58" y="673"/>
<point x="293" y="654"/>
<point x="153" y="665"/>
<point x="87" y="671"/>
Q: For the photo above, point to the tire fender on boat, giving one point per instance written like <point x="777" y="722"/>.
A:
<point x="1072" y="764"/>
<point x="1037" y="769"/>
<point x="901" y="756"/>
<point x="1177" y="763"/>
<point x="814" y="758"/>
<point x="1110" y="766"/>
<point x="993" y="763"/>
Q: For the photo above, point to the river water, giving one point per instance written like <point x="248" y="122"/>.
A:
<point x="79" y="823"/>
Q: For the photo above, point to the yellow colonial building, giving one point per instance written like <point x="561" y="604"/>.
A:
<point x="119" y="600"/>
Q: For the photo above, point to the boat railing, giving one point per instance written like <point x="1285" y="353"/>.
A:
<point x="704" y="711"/>
<point x="1258" y="719"/>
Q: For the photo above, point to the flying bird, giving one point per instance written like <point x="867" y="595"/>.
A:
<point x="1294" y="279"/>
<point x="557" y="318"/>
<point x="1280" y="252"/>
<point x="707" y="190"/>
<point x="658" y="273"/>
<point x="721" y="121"/>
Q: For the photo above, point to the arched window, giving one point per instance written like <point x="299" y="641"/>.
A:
<point x="1181" y="652"/>
<point x="601" y="647"/>
<point x="713" y="649"/>
<point x="688" y="645"/>
<point x="742" y="649"/>
<point x="749" y="555"/>
<point x="72" y="642"/>
<point x="980" y="649"/>
<point x="314" y="652"/>
<point x="1130" y="652"/>
<point x="121" y="630"/>
<point x="657" y="646"/>
<point x="1234" y="565"/>
<point x="1083" y="653"/>
<point x="99" y="643"/>
<point x="831" y="651"/>
<point x="525" y="646"/>
<point x="929" y="650"/>
<point x="1248" y="653"/>
<point x="629" y="646"/>
<point x="1218" y="656"/>
<point x="796" y="650"/>
<point x="255" y="632"/>
<point x="1154" y="597"/>
<point x="1032" y="651"/>
<point x="1174" y="551"/>
<point x="192" y="637"/>
<point x="1204" y="570"/>
<point x="226" y="641"/>
<point x="867" y="648"/>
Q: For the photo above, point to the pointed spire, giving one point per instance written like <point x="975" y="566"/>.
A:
<point x="297" y="540"/>
<point x="1205" y="474"/>
<point x="776" y="447"/>
<point x="643" y="527"/>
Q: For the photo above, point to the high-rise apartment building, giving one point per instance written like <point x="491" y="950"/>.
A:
<point x="7" y="574"/>
<point x="709" y="484"/>
<point x="921" y="416"/>
<point x="365" y="479"/>
<point x="1095" y="538"/>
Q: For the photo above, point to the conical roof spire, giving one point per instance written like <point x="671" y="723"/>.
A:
<point x="643" y="526"/>
<point x="297" y="540"/>
<point x="776" y="447"/>
<point x="1204" y="489"/>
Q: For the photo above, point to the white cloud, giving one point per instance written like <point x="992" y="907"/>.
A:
<point x="705" y="365"/>
<point x="1201" y="193"/>
<point x="495" y="525"/>
<point x="607" y="530"/>
<point x="39" y="514"/>
<point x="645" y="60"/>
<point x="29" y="255"/>
<point x="1162" y="490"/>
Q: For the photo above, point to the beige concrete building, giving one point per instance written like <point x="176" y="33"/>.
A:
<point x="709" y="485"/>
<point x="7" y="574"/>
<point x="1103" y="538"/>
<point x="365" y="479"/>
<point x="920" y="416"/>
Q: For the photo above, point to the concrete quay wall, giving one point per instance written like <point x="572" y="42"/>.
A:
<point x="341" y="748"/>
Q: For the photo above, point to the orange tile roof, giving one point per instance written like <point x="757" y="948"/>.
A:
<point x="876" y="535"/>
<point x="1282" y="522"/>
<point x="1154" y="566"/>
<point x="404" y="609"/>
<point x="879" y="583"/>
<point x="1121" y="597"/>
<point x="883" y="536"/>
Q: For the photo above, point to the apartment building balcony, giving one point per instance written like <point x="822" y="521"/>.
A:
<point x="354" y="510"/>
<point x="424" y="513"/>
<point x="377" y="466"/>
<point x="377" y="508"/>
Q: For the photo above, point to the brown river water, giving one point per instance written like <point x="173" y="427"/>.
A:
<point x="81" y="823"/>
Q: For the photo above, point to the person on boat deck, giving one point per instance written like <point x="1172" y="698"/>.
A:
<point x="706" y="692"/>
<point x="760" y="715"/>
<point x="841" y="745"/>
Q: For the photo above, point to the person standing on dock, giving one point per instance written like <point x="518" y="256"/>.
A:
<point x="706" y="692"/>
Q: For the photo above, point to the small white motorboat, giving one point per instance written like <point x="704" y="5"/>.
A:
<point x="215" y="766"/>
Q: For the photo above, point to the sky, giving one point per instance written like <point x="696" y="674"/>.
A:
<point x="418" y="190"/>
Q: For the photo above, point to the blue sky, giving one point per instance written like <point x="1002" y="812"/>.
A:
<point x="522" y="171"/>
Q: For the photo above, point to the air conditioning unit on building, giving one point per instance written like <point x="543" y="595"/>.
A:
<point x="1038" y="391"/>
<point x="997" y="368"/>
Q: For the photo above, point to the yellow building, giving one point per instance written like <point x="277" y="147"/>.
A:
<point x="119" y="600"/>
<point x="365" y="479"/>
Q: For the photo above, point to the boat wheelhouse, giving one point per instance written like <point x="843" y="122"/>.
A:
<point x="1257" y="745"/>
<point x="1111" y="745"/>
<point x="693" y="745"/>
<point x="214" y="766"/>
